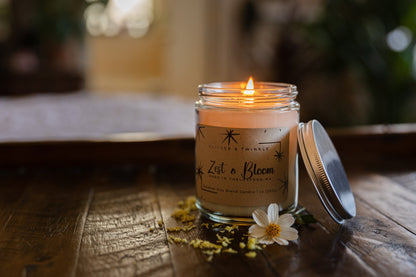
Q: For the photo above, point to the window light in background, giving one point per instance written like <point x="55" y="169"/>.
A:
<point x="134" y="16"/>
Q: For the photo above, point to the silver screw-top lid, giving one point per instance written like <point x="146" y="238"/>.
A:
<point x="326" y="171"/>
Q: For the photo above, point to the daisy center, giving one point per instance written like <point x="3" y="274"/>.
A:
<point x="273" y="230"/>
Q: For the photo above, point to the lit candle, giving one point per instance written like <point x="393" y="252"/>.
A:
<point x="246" y="148"/>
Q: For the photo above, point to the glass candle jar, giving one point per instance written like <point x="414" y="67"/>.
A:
<point x="246" y="149"/>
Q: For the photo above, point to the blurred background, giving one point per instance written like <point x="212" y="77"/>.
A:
<point x="354" y="61"/>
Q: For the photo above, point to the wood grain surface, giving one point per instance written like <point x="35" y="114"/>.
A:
<point x="101" y="219"/>
<point x="116" y="238"/>
<point x="43" y="228"/>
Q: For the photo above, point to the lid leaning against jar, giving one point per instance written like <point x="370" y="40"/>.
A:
<point x="326" y="171"/>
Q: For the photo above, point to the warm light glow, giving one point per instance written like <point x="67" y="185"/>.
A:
<point x="249" y="87"/>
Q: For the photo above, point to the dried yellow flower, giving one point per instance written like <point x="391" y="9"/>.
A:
<point x="230" y="250"/>
<point x="187" y="228"/>
<point x="251" y="254"/>
<point x="212" y="251"/>
<point x="224" y="239"/>
<point x="223" y="243"/>
<point x="204" y="244"/>
<point x="183" y="215"/>
<point x="231" y="228"/>
<point x="190" y="203"/>
<point x="173" y="229"/>
<point x="177" y="240"/>
<point x="252" y="243"/>
<point x="181" y="204"/>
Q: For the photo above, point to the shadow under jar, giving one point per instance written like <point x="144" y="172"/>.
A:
<point x="246" y="149"/>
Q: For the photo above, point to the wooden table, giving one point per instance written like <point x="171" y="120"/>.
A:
<point x="86" y="208"/>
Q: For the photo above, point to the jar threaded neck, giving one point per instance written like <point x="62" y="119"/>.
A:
<point x="231" y="95"/>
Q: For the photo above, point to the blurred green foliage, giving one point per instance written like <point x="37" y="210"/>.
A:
<point x="351" y="35"/>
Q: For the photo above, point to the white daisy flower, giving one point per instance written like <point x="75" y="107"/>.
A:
<point x="271" y="228"/>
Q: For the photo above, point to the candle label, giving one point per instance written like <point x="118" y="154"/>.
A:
<point x="242" y="166"/>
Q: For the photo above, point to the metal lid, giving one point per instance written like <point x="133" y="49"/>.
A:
<point x="326" y="171"/>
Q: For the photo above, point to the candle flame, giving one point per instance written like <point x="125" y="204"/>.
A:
<point x="249" y="87"/>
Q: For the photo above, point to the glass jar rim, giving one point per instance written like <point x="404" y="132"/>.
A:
<point x="262" y="88"/>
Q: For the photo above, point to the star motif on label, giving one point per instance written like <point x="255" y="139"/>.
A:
<point x="285" y="184"/>
<point x="278" y="155"/>
<point x="230" y="136"/>
<point x="199" y="132"/>
<point x="199" y="173"/>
